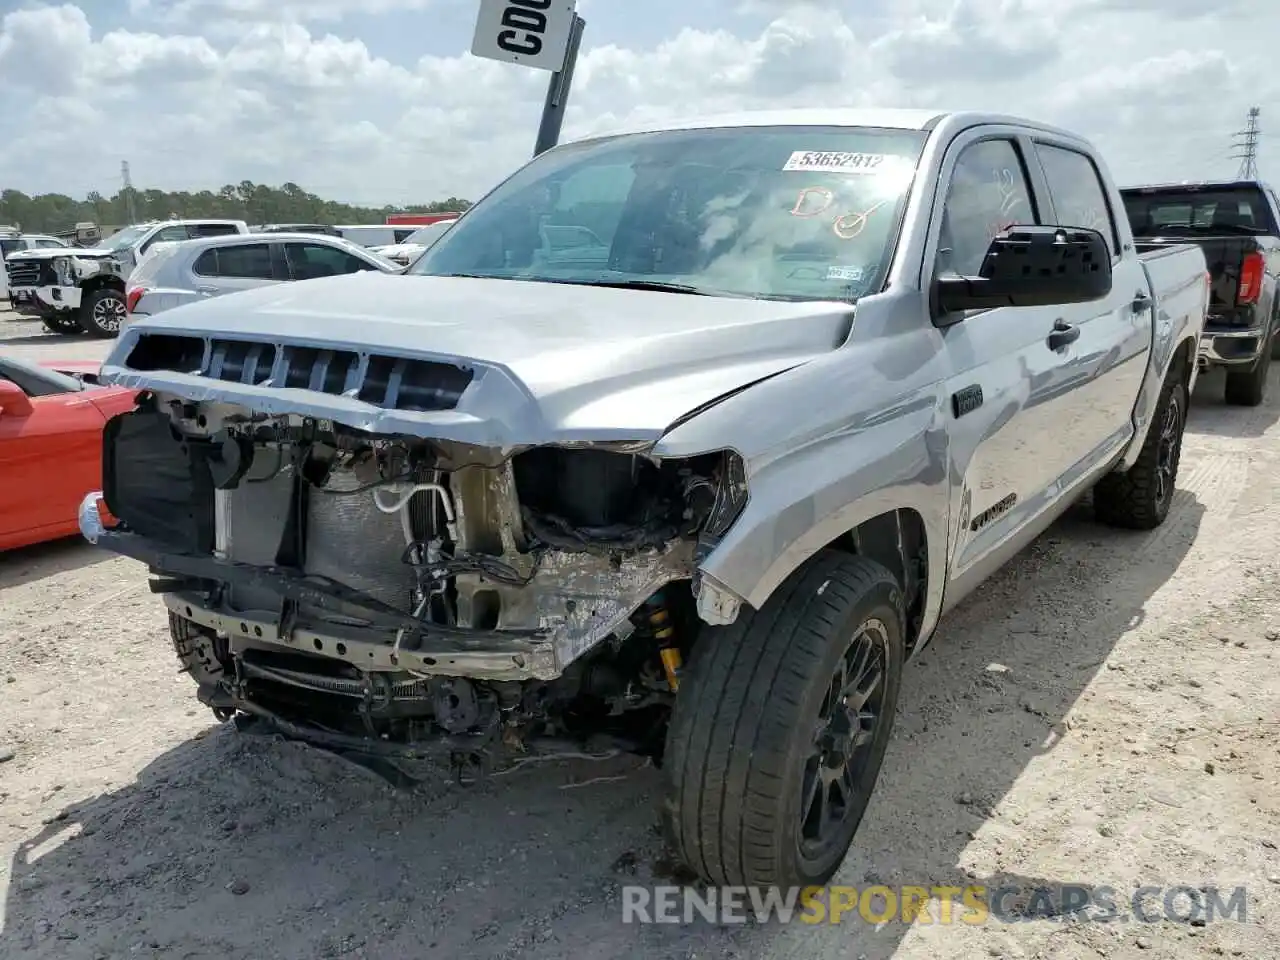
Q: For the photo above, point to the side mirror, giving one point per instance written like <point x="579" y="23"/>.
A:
<point x="1032" y="266"/>
<point x="14" y="401"/>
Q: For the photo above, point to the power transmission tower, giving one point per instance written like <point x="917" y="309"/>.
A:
<point x="1246" y="145"/>
<point x="128" y="192"/>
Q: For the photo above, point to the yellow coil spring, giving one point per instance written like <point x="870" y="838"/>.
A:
<point x="664" y="633"/>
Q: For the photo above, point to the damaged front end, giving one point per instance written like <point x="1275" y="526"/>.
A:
<point x="404" y="594"/>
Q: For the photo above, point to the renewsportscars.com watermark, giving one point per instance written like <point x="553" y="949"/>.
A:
<point x="969" y="905"/>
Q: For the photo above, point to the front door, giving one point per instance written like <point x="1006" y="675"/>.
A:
<point x="1012" y="383"/>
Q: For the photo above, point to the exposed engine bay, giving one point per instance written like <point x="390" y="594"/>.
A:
<point x="405" y="595"/>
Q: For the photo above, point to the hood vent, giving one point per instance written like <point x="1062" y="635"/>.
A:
<point x="392" y="383"/>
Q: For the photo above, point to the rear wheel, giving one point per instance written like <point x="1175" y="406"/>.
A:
<point x="1249" y="388"/>
<point x="1140" y="498"/>
<point x="102" y="313"/>
<point x="781" y="725"/>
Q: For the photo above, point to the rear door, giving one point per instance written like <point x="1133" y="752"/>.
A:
<point x="1010" y="391"/>
<point x="234" y="267"/>
<point x="310" y="261"/>
<point x="1108" y="360"/>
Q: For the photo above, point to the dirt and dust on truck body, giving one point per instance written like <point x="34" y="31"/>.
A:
<point x="696" y="484"/>
<point x="1237" y="225"/>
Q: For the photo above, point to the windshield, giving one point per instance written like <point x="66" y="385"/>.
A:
<point x="124" y="238"/>
<point x="1155" y="212"/>
<point x="791" y="213"/>
<point x="429" y="234"/>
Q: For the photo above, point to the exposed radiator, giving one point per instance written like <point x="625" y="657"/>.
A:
<point x="348" y="539"/>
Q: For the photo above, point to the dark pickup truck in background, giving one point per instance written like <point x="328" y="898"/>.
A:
<point x="1237" y="225"/>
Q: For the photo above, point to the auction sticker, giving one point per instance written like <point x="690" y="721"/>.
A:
<point x="811" y="160"/>
<point x="848" y="274"/>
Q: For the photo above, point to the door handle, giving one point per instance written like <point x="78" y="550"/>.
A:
<point x="206" y="291"/>
<point x="1140" y="301"/>
<point x="1063" y="334"/>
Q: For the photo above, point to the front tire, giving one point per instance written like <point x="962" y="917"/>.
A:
<point x="203" y="655"/>
<point x="60" y="323"/>
<point x="103" y="313"/>
<point x="1140" y="498"/>
<point x="781" y="724"/>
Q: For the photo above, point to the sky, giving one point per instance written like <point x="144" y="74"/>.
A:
<point x="380" y="101"/>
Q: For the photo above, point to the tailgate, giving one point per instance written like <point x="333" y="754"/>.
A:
<point x="1224" y="257"/>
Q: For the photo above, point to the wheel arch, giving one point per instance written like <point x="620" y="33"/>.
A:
<point x="897" y="540"/>
<point x="1181" y="358"/>
<point x="109" y="281"/>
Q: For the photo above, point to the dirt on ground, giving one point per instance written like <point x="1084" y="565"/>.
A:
<point x="1104" y="713"/>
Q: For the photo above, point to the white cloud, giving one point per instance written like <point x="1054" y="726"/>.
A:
<point x="216" y="91"/>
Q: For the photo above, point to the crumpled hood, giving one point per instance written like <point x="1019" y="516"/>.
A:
<point x="554" y="362"/>
<point x="53" y="253"/>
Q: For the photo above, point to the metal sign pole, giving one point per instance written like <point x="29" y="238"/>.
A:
<point x="558" y="92"/>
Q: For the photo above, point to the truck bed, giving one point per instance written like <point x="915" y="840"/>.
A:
<point x="1180" y="282"/>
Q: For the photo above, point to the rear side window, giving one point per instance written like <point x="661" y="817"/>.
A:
<point x="248" y="261"/>
<point x="212" y="229"/>
<point x="1079" y="198"/>
<point x="309" y="261"/>
<point x="9" y="246"/>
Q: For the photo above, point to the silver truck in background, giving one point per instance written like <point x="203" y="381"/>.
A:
<point x="82" y="290"/>
<point x="686" y="436"/>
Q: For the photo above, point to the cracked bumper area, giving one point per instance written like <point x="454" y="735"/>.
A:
<point x="486" y="655"/>
<point x="575" y="607"/>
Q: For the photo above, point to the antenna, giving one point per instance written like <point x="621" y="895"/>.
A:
<point x="128" y="192"/>
<point x="1246" y="144"/>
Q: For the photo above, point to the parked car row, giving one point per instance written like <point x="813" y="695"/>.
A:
<point x="151" y="267"/>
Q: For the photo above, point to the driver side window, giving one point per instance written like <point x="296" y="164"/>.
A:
<point x="989" y="193"/>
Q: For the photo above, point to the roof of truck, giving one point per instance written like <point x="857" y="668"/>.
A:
<point x="888" y="119"/>
<point x="1234" y="183"/>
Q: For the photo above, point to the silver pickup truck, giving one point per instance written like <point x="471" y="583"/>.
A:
<point x="685" y="436"/>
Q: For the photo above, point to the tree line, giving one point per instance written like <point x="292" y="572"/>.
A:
<point x="255" y="203"/>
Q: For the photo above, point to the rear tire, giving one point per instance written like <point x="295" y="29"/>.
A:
<point x="102" y="313"/>
<point x="765" y="726"/>
<point x="1140" y="498"/>
<point x="1249" y="388"/>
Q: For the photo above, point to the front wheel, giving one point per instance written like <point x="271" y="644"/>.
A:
<point x="781" y="724"/>
<point x="60" y="323"/>
<point x="1140" y="498"/>
<point x="102" y="313"/>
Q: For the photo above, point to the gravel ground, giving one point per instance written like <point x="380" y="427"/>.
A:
<point x="1105" y="712"/>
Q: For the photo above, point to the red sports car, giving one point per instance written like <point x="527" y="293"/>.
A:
<point x="51" y="420"/>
